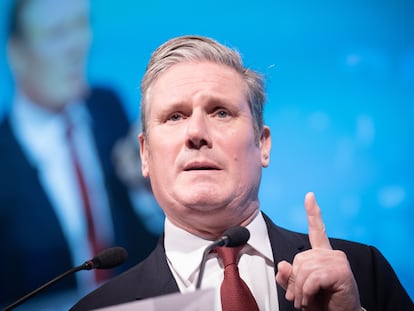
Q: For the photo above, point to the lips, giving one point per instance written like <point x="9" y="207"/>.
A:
<point x="201" y="166"/>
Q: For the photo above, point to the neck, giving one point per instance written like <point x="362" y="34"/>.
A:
<point x="212" y="228"/>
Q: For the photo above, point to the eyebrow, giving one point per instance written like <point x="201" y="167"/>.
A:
<point x="209" y="99"/>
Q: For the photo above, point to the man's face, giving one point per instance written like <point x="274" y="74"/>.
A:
<point x="51" y="55"/>
<point x="200" y="152"/>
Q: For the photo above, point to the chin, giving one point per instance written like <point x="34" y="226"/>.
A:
<point x="206" y="204"/>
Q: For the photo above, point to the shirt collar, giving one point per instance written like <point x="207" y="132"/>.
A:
<point x="183" y="249"/>
<point x="259" y="238"/>
<point x="185" y="257"/>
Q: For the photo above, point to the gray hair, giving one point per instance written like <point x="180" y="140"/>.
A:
<point x="195" y="49"/>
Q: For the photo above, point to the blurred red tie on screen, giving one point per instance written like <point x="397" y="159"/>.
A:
<point x="95" y="241"/>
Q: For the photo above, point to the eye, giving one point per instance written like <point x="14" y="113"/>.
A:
<point x="222" y="113"/>
<point x="176" y="116"/>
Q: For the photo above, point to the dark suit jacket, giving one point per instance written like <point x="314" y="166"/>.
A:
<point x="378" y="285"/>
<point x="33" y="246"/>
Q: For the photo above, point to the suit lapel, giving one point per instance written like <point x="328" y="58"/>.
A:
<point x="157" y="277"/>
<point x="285" y="245"/>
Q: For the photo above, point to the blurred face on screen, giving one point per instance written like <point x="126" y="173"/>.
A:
<point x="49" y="58"/>
<point x="200" y="150"/>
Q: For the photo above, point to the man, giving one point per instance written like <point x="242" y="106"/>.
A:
<point x="61" y="201"/>
<point x="203" y="146"/>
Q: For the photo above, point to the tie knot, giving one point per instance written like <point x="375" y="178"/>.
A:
<point x="228" y="255"/>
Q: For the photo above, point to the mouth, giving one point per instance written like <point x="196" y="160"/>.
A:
<point x="201" y="167"/>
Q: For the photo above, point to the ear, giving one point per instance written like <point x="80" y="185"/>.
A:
<point x="143" y="152"/>
<point x="265" y="146"/>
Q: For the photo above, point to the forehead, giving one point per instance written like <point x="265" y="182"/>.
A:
<point x="189" y="78"/>
<point x="40" y="15"/>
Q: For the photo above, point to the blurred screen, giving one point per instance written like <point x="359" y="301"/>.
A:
<point x="340" y="101"/>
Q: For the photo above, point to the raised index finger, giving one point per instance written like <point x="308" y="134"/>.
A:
<point x="317" y="232"/>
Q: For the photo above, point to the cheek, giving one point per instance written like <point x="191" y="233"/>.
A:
<point x="247" y="163"/>
<point x="42" y="72"/>
<point x="245" y="149"/>
<point x="161" y="158"/>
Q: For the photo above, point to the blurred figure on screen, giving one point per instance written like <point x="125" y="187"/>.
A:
<point x="126" y="160"/>
<point x="61" y="199"/>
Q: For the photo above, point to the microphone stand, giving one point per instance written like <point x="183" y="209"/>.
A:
<point x="107" y="259"/>
<point x="207" y="251"/>
<point x="85" y="266"/>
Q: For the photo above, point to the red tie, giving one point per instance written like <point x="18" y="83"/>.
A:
<point x="94" y="241"/>
<point x="235" y="294"/>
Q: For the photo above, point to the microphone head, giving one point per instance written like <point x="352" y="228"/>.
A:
<point x="109" y="258"/>
<point x="236" y="236"/>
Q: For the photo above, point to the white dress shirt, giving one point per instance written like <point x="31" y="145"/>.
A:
<point x="42" y="135"/>
<point x="184" y="253"/>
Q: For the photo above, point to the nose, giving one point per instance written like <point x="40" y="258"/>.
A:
<point x="198" y="134"/>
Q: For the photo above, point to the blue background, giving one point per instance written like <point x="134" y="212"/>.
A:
<point x="340" y="85"/>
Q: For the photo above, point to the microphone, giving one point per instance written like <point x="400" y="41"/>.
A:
<point x="232" y="237"/>
<point x="106" y="259"/>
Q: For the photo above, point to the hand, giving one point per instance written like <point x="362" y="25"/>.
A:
<point x="319" y="278"/>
